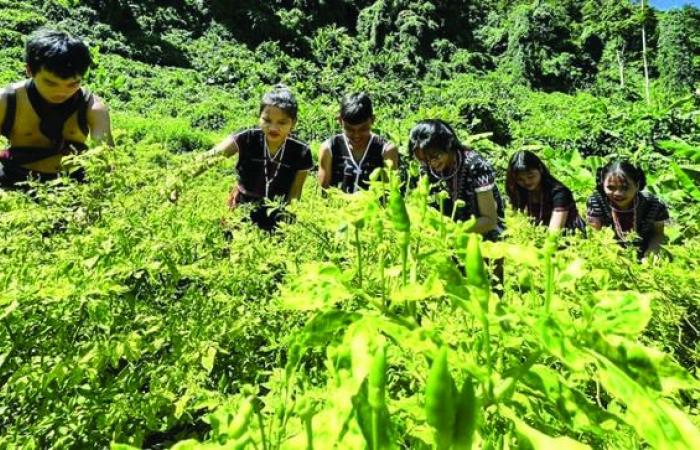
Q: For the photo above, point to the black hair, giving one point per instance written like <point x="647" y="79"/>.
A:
<point x="522" y="161"/>
<point x="434" y="134"/>
<point x="356" y="108"/>
<point x="58" y="52"/>
<point x="280" y="97"/>
<point x="624" y="168"/>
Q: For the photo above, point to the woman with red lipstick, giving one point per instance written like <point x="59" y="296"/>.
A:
<point x="271" y="163"/>
<point x="346" y="160"/>
<point x="534" y="191"/>
<point x="637" y="217"/>
<point x="462" y="172"/>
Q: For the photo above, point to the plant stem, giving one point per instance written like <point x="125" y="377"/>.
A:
<point x="487" y="348"/>
<point x="263" y="438"/>
<point x="359" y="255"/>
<point x="375" y="429"/>
<point x="549" y="277"/>
<point x="309" y="432"/>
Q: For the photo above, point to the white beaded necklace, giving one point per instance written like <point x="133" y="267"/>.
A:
<point x="277" y="159"/>
<point x="357" y="165"/>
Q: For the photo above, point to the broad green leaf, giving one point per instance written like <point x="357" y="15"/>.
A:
<point x="531" y="439"/>
<point x="647" y="412"/>
<point x="326" y="326"/>
<point x="526" y="256"/>
<point x="362" y="338"/>
<point x="412" y="292"/>
<point x="208" y="358"/>
<point x="647" y="366"/>
<point x="569" y="404"/>
<point x="553" y="338"/>
<point x="621" y="312"/>
<point x="9" y="309"/>
<point x="318" y="286"/>
<point x="567" y="278"/>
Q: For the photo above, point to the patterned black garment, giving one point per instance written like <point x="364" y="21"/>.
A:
<point x="474" y="175"/>
<point x="261" y="176"/>
<point x="641" y="218"/>
<point x="350" y="175"/>
<point x="558" y="199"/>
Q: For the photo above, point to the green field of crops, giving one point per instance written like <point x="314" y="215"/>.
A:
<point x="131" y="321"/>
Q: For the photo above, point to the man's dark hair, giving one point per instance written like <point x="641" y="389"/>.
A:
<point x="58" y="52"/>
<point x="356" y="108"/>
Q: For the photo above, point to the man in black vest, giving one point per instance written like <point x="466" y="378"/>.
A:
<point x="49" y="115"/>
<point x="347" y="160"/>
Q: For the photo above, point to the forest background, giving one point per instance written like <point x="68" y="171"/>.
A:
<point x="127" y="319"/>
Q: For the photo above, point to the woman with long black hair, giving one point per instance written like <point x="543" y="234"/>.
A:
<point x="533" y="190"/>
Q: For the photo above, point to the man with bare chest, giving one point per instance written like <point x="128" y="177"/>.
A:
<point x="49" y="116"/>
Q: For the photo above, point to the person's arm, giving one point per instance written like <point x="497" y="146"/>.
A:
<point x="391" y="153"/>
<point x="99" y="122"/>
<point x="325" y="165"/>
<point x="594" y="214"/>
<point x="488" y="215"/>
<point x="297" y="185"/>
<point x="3" y="105"/>
<point x="225" y="148"/>
<point x="657" y="239"/>
<point x="558" y="220"/>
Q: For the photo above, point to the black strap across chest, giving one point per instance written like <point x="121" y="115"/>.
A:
<point x="51" y="121"/>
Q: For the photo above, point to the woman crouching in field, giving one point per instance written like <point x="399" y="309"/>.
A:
<point x="620" y="203"/>
<point x="463" y="173"/>
<point x="271" y="163"/>
<point x="534" y="191"/>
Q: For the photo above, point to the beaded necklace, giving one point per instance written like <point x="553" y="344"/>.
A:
<point x="454" y="171"/>
<point x="277" y="159"/>
<point x="616" y="219"/>
<point x="356" y="164"/>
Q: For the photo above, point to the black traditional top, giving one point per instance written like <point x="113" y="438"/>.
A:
<point x="348" y="174"/>
<point x="263" y="176"/>
<point x="556" y="197"/>
<point x="641" y="218"/>
<point x="473" y="175"/>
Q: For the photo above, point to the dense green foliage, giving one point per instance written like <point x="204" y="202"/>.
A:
<point x="130" y="319"/>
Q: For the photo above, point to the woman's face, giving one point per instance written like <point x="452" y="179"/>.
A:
<point x="529" y="179"/>
<point x="276" y="124"/>
<point x="358" y="134"/>
<point x="620" y="190"/>
<point x="437" y="159"/>
<point x="53" y="88"/>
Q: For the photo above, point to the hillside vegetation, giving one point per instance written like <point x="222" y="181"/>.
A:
<point x="129" y="320"/>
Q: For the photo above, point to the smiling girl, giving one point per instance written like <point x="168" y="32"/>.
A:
<point x="271" y="163"/>
<point x="534" y="191"/>
<point x="462" y="172"/>
<point x="620" y="203"/>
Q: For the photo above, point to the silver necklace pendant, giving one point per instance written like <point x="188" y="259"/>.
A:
<point x="276" y="159"/>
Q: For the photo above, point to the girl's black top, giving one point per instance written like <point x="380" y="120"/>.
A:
<point x="256" y="168"/>
<point x="474" y="175"/>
